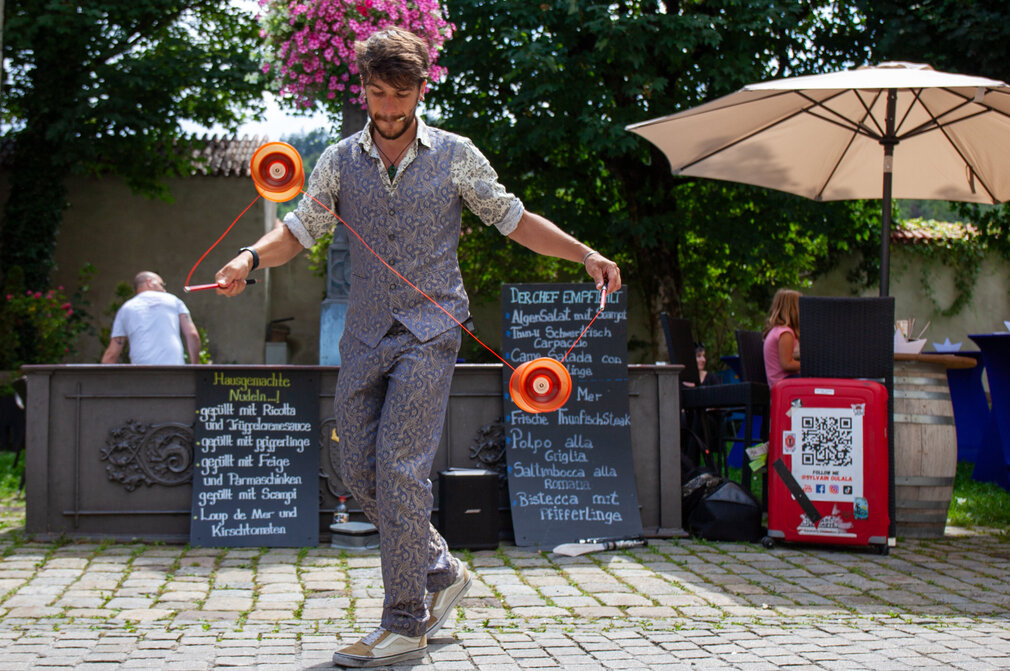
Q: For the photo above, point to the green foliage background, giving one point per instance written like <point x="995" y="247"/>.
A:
<point x="101" y="88"/>
<point x="546" y="90"/>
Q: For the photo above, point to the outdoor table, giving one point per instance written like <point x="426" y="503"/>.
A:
<point x="994" y="451"/>
<point x="971" y="407"/>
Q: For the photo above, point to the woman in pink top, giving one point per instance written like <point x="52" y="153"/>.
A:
<point x="782" y="336"/>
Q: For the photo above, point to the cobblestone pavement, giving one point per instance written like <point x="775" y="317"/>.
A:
<point x="680" y="604"/>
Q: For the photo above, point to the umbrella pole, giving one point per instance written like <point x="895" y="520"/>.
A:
<point x="885" y="224"/>
<point x="889" y="140"/>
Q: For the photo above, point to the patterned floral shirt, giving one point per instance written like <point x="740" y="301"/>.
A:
<point x="412" y="222"/>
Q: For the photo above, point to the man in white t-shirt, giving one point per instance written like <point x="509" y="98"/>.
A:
<point x="152" y="321"/>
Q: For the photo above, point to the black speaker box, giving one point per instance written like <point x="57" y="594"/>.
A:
<point x="468" y="508"/>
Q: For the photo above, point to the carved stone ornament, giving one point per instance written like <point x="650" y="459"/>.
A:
<point x="488" y="448"/>
<point x="149" y="454"/>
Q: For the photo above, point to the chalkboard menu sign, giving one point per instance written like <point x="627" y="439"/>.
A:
<point x="256" y="481"/>
<point x="570" y="471"/>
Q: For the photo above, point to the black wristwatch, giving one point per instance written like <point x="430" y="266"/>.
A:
<point x="256" y="257"/>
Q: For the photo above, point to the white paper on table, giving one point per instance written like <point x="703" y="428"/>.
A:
<point x="902" y="346"/>
<point x="947" y="346"/>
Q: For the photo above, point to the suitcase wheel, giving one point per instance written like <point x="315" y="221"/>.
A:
<point x="768" y="542"/>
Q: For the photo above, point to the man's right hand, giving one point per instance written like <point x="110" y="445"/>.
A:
<point x="231" y="278"/>
<point x="275" y="248"/>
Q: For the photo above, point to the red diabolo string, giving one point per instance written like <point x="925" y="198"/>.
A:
<point x="411" y="284"/>
<point x="540" y="385"/>
<point x="187" y="286"/>
<point x="277" y="173"/>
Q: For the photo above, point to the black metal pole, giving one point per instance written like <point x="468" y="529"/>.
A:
<point x="889" y="140"/>
<point x="885" y="219"/>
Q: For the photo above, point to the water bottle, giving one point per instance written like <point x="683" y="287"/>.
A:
<point x="340" y="515"/>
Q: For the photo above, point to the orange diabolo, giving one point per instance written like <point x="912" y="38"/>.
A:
<point x="277" y="171"/>
<point x="540" y="385"/>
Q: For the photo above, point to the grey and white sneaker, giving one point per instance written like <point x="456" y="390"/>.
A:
<point x="381" y="648"/>
<point x="442" y="603"/>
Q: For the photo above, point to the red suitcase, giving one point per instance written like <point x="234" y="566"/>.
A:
<point x="827" y="463"/>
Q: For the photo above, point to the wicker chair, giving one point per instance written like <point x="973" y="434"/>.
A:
<point x="750" y="345"/>
<point x="852" y="338"/>
<point x="680" y="344"/>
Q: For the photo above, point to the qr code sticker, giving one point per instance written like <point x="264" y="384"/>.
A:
<point x="826" y="441"/>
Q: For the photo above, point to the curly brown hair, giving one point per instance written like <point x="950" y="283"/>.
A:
<point x="394" y="55"/>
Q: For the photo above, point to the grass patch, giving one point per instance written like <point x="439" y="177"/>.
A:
<point x="10" y="475"/>
<point x="12" y="499"/>
<point x="978" y="504"/>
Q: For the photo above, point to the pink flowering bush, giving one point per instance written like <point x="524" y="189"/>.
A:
<point x="39" y="326"/>
<point x="310" y="43"/>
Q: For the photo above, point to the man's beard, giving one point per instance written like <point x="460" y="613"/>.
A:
<point x="409" y="118"/>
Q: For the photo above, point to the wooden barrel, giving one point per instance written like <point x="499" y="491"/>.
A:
<point x="925" y="449"/>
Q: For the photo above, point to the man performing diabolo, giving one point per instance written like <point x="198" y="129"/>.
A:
<point x="401" y="185"/>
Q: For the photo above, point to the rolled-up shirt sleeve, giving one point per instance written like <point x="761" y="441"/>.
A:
<point x="480" y="189"/>
<point x="311" y="220"/>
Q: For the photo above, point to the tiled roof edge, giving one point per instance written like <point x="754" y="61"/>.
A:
<point x="220" y="156"/>
<point x="225" y="156"/>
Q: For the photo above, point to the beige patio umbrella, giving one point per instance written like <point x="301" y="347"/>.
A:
<point x="901" y="130"/>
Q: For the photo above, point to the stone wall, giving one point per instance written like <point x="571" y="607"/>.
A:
<point x="989" y="307"/>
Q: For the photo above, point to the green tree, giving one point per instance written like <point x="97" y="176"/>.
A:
<point x="546" y="89"/>
<point x="968" y="37"/>
<point x="101" y="88"/>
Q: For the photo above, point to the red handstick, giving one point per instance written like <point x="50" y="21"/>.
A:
<point x="277" y="173"/>
<point x="205" y="287"/>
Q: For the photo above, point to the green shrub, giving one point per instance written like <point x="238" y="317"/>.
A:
<point x="40" y="327"/>
<point x="978" y="504"/>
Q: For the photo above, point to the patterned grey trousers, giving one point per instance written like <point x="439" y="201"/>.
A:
<point x="390" y="408"/>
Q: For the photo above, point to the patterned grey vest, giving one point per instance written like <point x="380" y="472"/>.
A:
<point x="415" y="229"/>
